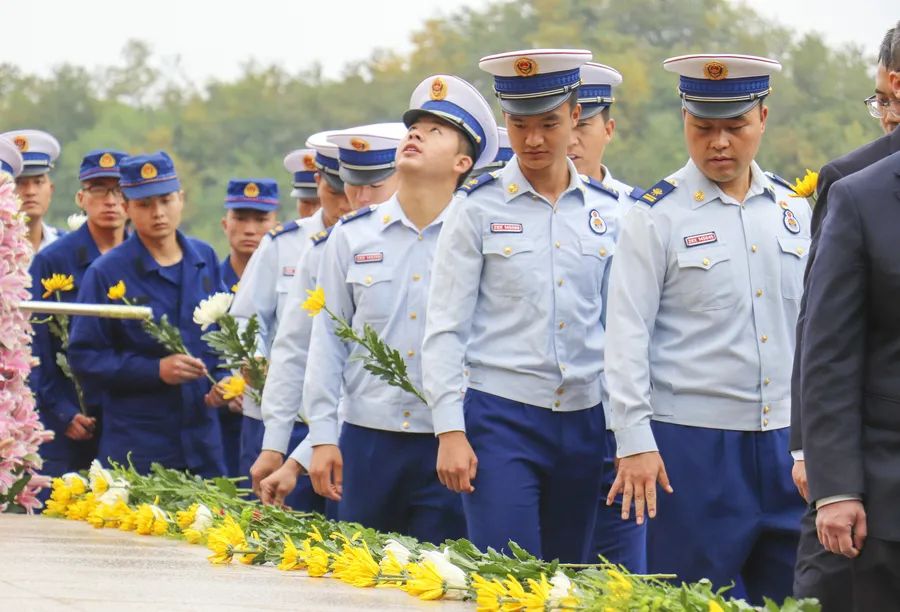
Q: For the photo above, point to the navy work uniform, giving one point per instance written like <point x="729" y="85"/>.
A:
<point x="376" y="270"/>
<point x="621" y="542"/>
<point x="251" y="194"/>
<point x="39" y="152"/>
<point x="142" y="415"/>
<point x="517" y="295"/>
<point x="56" y="396"/>
<point x="704" y="299"/>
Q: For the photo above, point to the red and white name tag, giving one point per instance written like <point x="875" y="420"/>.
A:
<point x="698" y="239"/>
<point x="288" y="271"/>
<point x="506" y="228"/>
<point x="364" y="258"/>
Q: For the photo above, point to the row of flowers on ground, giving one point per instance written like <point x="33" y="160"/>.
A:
<point x="213" y="513"/>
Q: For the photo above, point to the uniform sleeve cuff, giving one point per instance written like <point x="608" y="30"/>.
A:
<point x="833" y="499"/>
<point x="448" y="418"/>
<point x="303" y="453"/>
<point x="65" y="413"/>
<point x="276" y="437"/>
<point x="797" y="455"/>
<point x="323" y="432"/>
<point x="635" y="440"/>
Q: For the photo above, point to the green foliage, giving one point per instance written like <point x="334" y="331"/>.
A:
<point x="220" y="130"/>
<point x="238" y="351"/>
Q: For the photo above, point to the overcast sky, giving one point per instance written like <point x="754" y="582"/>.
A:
<point x="213" y="39"/>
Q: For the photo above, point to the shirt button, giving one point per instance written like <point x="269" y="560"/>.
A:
<point x="764" y="338"/>
<point x="405" y="424"/>
<point x="413" y="316"/>
<point x="556" y="404"/>
<point x="556" y="244"/>
<point x="416" y="277"/>
<point x="507" y="251"/>
<point x="602" y="252"/>
<point x="765" y="422"/>
<point x="562" y="324"/>
<point x="767" y="381"/>
<point x="706" y="261"/>
<point x="562" y="368"/>
<point x="421" y="237"/>
<point x="368" y="280"/>
<point x="799" y="250"/>
<point x="560" y="282"/>
<point x="759" y="293"/>
<point x="754" y="248"/>
<point x="766" y="409"/>
<point x="410" y="353"/>
<point x="560" y="391"/>
<point x="406" y="413"/>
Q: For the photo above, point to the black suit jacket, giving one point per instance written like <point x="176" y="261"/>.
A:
<point x="854" y="161"/>
<point x="850" y="361"/>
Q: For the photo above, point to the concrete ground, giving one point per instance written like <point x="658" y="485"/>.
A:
<point x="49" y="565"/>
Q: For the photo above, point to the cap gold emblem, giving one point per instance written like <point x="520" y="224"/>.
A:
<point x="359" y="144"/>
<point x="309" y="162"/>
<point x="525" y="67"/>
<point x="438" y="89"/>
<point x="715" y="71"/>
<point x="21" y="142"/>
<point x="251" y="190"/>
<point x="107" y="161"/>
<point x="148" y="171"/>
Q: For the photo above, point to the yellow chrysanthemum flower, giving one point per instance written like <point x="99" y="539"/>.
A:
<point x="489" y="594"/>
<point x="619" y="586"/>
<point x="234" y="287"/>
<point x="290" y="556"/>
<point x="316" y="559"/>
<point x="80" y="509"/>
<point x="223" y="540"/>
<point x="117" y="291"/>
<point x="126" y="516"/>
<point x="391" y="573"/>
<point x="806" y="187"/>
<point x="77" y="486"/>
<point x="315" y="302"/>
<point x="150" y="520"/>
<point x="516" y="594"/>
<point x="714" y="606"/>
<point x="315" y="535"/>
<point x="425" y="582"/>
<point x="538" y="595"/>
<point x="247" y="558"/>
<point x="185" y="518"/>
<point x="57" y="283"/>
<point x="104" y="515"/>
<point x="192" y="536"/>
<point x="362" y="569"/>
<point x="233" y="386"/>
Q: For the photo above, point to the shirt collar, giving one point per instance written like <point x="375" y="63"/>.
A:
<point x="391" y="212"/>
<point x="702" y="190"/>
<point x="515" y="184"/>
<point x="87" y="250"/>
<point x="145" y="262"/>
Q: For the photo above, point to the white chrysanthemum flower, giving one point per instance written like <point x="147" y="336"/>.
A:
<point x="454" y="577"/>
<point x="401" y="552"/>
<point x="203" y="519"/>
<point x="210" y="310"/>
<point x="68" y="477"/>
<point x="562" y="586"/>
<point x="118" y="490"/>
<point x="100" y="478"/>
<point x="76" y="220"/>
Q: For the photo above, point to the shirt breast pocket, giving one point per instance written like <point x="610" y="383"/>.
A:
<point x="508" y="264"/>
<point x="596" y="255"/>
<point x="373" y="292"/>
<point x="706" y="279"/>
<point x="794" y="255"/>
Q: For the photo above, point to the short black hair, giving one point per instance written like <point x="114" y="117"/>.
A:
<point x="466" y="147"/>
<point x="885" y="57"/>
<point x="894" y="48"/>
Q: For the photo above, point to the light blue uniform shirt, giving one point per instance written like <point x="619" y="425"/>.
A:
<point x="704" y="298"/>
<point x="624" y="190"/>
<point x="518" y="296"/>
<point x="376" y="270"/>
<point x="281" y="400"/>
<point x="264" y="286"/>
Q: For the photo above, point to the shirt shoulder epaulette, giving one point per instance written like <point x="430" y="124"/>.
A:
<point x="280" y="229"/>
<point x="322" y="236"/>
<point x="592" y="182"/>
<point x="636" y="193"/>
<point x="656" y="193"/>
<point x="358" y="214"/>
<point x="476" y="183"/>
<point x="777" y="179"/>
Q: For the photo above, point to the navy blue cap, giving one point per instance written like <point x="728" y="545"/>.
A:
<point x="148" y="175"/>
<point x="101" y="163"/>
<point x="256" y="194"/>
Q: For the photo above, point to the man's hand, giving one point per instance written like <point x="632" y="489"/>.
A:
<point x="798" y="473"/>
<point x="842" y="527"/>
<point x="279" y="484"/>
<point x="178" y="369"/>
<point x="326" y="470"/>
<point x="636" y="479"/>
<point x="236" y="405"/>
<point x="266" y="464"/>
<point x="457" y="464"/>
<point x="216" y="396"/>
<point x="81" y="427"/>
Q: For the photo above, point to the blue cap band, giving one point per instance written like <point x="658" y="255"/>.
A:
<point x="367" y="160"/>
<point x="458" y="115"/>
<point x="724" y="90"/>
<point x="327" y="163"/>
<point x="305" y="179"/>
<point x="5" y="167"/>
<point x="550" y="84"/>
<point x="33" y="158"/>
<point x="598" y="95"/>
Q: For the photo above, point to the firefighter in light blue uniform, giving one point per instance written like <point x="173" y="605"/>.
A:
<point x="518" y="295"/>
<point x="704" y="298"/>
<point x="146" y="419"/>
<point x="504" y="154"/>
<point x="71" y="255"/>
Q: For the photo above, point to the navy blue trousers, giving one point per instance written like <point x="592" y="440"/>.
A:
<point x="230" y="424"/>
<point x="303" y="497"/>
<point x="621" y="542"/>
<point x="539" y="477"/>
<point x="735" y="514"/>
<point x="391" y="484"/>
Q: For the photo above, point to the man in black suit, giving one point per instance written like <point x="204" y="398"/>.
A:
<point x="850" y="368"/>
<point x="819" y="573"/>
